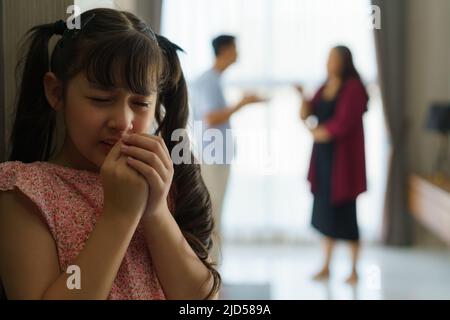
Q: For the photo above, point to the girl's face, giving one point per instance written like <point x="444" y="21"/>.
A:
<point x="97" y="117"/>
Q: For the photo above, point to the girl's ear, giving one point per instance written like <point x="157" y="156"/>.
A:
<point x="53" y="91"/>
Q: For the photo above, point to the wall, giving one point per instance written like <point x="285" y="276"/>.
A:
<point x="148" y="10"/>
<point x="428" y="75"/>
<point x="18" y="17"/>
<point x="427" y="80"/>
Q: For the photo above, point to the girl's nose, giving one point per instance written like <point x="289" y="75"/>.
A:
<point x="121" y="119"/>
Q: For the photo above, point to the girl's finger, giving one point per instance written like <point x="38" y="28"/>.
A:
<point x="151" y="144"/>
<point x="149" y="173"/>
<point x="163" y="143"/>
<point x="148" y="157"/>
<point x="114" y="153"/>
<point x="160" y="140"/>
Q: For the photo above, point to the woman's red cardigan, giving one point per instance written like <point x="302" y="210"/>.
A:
<point x="348" y="178"/>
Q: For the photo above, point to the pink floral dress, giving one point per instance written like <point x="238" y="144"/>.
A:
<point x="71" y="201"/>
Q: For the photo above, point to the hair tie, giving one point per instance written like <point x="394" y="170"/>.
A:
<point x="59" y="27"/>
<point x="147" y="29"/>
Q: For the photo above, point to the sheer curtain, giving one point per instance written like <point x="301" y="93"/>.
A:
<point x="280" y="43"/>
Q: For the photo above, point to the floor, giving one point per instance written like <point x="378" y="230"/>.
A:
<point x="284" y="272"/>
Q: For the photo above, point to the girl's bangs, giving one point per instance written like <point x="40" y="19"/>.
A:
<point x="131" y="61"/>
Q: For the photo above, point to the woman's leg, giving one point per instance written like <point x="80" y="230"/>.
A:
<point x="354" y="248"/>
<point x="328" y="245"/>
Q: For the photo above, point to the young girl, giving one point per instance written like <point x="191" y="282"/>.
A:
<point x="110" y="202"/>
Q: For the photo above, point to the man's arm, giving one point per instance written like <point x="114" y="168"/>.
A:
<point x="222" y="115"/>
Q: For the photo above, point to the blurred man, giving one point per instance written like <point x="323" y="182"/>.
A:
<point x="210" y="107"/>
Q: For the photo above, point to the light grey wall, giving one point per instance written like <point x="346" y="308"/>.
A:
<point x="147" y="10"/>
<point x="18" y="17"/>
<point x="427" y="75"/>
<point x="427" y="80"/>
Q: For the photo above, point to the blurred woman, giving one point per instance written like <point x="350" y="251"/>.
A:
<point x="337" y="170"/>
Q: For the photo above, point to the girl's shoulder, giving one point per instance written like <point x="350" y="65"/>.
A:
<point x="41" y="174"/>
<point x="46" y="183"/>
<point x="16" y="172"/>
<point x="56" y="191"/>
<point x="19" y="183"/>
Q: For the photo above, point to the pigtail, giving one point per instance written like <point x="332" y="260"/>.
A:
<point x="192" y="204"/>
<point x="35" y="120"/>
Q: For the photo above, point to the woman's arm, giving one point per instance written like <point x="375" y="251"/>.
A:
<point x="349" y="111"/>
<point x="307" y="106"/>
<point x="181" y="273"/>
<point x="29" y="264"/>
<point x="305" y="110"/>
<point x="321" y="135"/>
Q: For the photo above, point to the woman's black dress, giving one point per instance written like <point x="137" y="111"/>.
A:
<point x="338" y="222"/>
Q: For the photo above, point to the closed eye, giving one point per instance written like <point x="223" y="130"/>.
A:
<point x="142" y="104"/>
<point x="108" y="100"/>
<point x="95" y="99"/>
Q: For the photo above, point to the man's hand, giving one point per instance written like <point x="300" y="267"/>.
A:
<point x="251" y="98"/>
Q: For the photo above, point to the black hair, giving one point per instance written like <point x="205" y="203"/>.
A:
<point x="348" y="67"/>
<point x="115" y="49"/>
<point x="222" y="41"/>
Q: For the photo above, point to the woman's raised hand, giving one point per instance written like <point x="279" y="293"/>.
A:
<point x="299" y="89"/>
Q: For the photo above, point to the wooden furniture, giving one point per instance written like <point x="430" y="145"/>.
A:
<point x="429" y="202"/>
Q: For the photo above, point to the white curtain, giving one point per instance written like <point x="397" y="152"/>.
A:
<point x="280" y="42"/>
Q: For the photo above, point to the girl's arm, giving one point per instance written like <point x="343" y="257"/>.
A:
<point x="29" y="264"/>
<point x="181" y="273"/>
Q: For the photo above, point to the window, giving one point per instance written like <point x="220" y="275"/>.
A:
<point x="280" y="43"/>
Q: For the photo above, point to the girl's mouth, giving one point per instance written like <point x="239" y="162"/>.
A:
<point x="107" y="145"/>
<point x="110" y="141"/>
